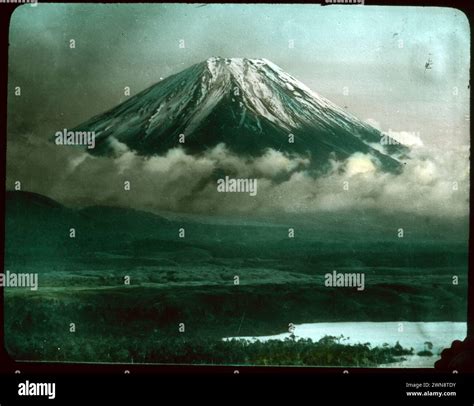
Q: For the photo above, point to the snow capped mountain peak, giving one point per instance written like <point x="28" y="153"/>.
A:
<point x="248" y="104"/>
<point x="241" y="66"/>
<point x="261" y="82"/>
<point x="233" y="66"/>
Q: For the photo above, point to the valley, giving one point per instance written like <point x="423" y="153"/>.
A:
<point x="191" y="280"/>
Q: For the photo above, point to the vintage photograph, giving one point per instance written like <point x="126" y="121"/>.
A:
<point x="237" y="184"/>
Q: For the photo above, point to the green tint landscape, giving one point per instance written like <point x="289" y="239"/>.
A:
<point x="191" y="281"/>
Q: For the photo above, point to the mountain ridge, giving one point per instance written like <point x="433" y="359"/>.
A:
<point x="248" y="104"/>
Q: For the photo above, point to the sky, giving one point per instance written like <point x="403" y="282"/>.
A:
<point x="368" y="59"/>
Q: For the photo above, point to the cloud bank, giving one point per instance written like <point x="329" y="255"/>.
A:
<point x="434" y="182"/>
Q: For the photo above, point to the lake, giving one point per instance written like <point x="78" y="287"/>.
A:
<point x="408" y="334"/>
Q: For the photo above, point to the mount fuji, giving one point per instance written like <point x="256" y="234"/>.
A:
<point x="247" y="104"/>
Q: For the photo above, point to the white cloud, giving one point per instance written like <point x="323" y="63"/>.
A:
<point x="434" y="182"/>
<point x="359" y="163"/>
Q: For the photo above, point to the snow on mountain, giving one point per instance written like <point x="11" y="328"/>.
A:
<point x="248" y="104"/>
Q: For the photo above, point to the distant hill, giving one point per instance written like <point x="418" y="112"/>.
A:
<point x="38" y="225"/>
